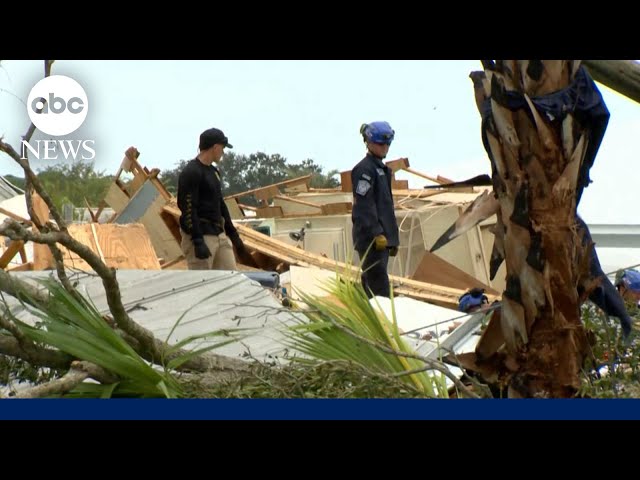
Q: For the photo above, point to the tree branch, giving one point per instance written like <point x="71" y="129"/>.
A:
<point x="37" y="356"/>
<point x="32" y="128"/>
<point x="153" y="349"/>
<point x="35" y="182"/>
<point x="68" y="382"/>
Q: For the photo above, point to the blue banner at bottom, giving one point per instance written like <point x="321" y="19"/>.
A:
<point x="319" y="409"/>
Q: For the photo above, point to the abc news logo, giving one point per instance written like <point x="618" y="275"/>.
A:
<point x="58" y="106"/>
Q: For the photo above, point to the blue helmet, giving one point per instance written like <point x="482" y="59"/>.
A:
<point x="473" y="298"/>
<point x="377" y="132"/>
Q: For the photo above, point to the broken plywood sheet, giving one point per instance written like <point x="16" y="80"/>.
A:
<point x="444" y="296"/>
<point x="234" y="210"/>
<point x="145" y="208"/>
<point x="433" y="269"/>
<point x="119" y="246"/>
<point x="116" y="198"/>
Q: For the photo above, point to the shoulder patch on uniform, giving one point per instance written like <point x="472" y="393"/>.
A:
<point x="363" y="187"/>
<point x="380" y="171"/>
<point x="365" y="176"/>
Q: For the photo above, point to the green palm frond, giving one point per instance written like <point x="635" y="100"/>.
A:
<point x="76" y="327"/>
<point x="322" y="339"/>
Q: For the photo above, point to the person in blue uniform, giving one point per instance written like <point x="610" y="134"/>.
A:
<point x="375" y="229"/>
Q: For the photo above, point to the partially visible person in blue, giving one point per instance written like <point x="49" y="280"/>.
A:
<point x="375" y="229"/>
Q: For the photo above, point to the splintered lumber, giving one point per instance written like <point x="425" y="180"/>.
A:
<point x="273" y="254"/>
<point x="11" y="251"/>
<point x="40" y="208"/>
<point x="25" y="267"/>
<point x="299" y="202"/>
<point x="623" y="76"/>
<point x="338" y="208"/>
<point x="145" y="207"/>
<point x="399" y="184"/>
<point x="433" y="269"/>
<point x="438" y="180"/>
<point x="444" y="296"/>
<point x="269" y="212"/>
<point x="15" y="217"/>
<point x="119" y="246"/>
<point x="267" y="192"/>
<point x="345" y="181"/>
<point x="397" y="164"/>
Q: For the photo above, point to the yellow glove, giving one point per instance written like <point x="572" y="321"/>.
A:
<point x="381" y="242"/>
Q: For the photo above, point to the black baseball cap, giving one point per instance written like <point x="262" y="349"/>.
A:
<point x="213" y="136"/>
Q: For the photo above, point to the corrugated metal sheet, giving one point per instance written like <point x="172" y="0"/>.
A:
<point x="212" y="300"/>
<point x="7" y="190"/>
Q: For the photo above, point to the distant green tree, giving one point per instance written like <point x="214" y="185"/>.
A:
<point x="318" y="179"/>
<point x="17" y="181"/>
<point x="169" y="178"/>
<point x="73" y="182"/>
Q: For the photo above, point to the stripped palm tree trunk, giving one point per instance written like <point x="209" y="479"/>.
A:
<point x="538" y="173"/>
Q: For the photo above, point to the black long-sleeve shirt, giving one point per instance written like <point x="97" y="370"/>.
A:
<point x="373" y="211"/>
<point x="201" y="202"/>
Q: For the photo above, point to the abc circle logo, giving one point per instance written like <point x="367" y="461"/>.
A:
<point x="57" y="105"/>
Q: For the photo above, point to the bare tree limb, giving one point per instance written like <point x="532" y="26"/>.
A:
<point x="33" y="354"/>
<point x="35" y="182"/>
<point x="153" y="349"/>
<point x="68" y="382"/>
<point x="32" y="128"/>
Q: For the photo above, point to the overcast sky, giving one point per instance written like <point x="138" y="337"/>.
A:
<point x="305" y="109"/>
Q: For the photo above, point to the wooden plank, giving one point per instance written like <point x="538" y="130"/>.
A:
<point x="40" y="208"/>
<point x="247" y="207"/>
<point x="25" y="267"/>
<point x="234" y="209"/>
<point x="173" y="224"/>
<point x="42" y="258"/>
<point x="93" y="215"/>
<point x="96" y="242"/>
<point x="174" y="264"/>
<point x="345" y="181"/>
<point x="325" y="190"/>
<point x="15" y="217"/>
<point x="14" y="247"/>
<point x="398" y="164"/>
<point x="337" y="208"/>
<point x="164" y="242"/>
<point x="269" y="212"/>
<point x="441" y="295"/>
<point x="399" y="184"/>
<point x="267" y="193"/>
<point x="298" y="201"/>
<point x="299" y="188"/>
<point x="119" y="246"/>
<point x="433" y="269"/>
<point x="294" y="181"/>
<point x="437" y="180"/>
<point x="116" y="198"/>
<point x="23" y="255"/>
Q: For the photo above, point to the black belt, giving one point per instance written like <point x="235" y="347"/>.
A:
<point x="219" y="226"/>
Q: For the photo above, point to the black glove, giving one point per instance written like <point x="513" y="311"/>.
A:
<point x="201" y="249"/>
<point x="393" y="251"/>
<point x="241" y="251"/>
<point x="238" y="244"/>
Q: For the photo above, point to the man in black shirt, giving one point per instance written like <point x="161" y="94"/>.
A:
<point x="208" y="234"/>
